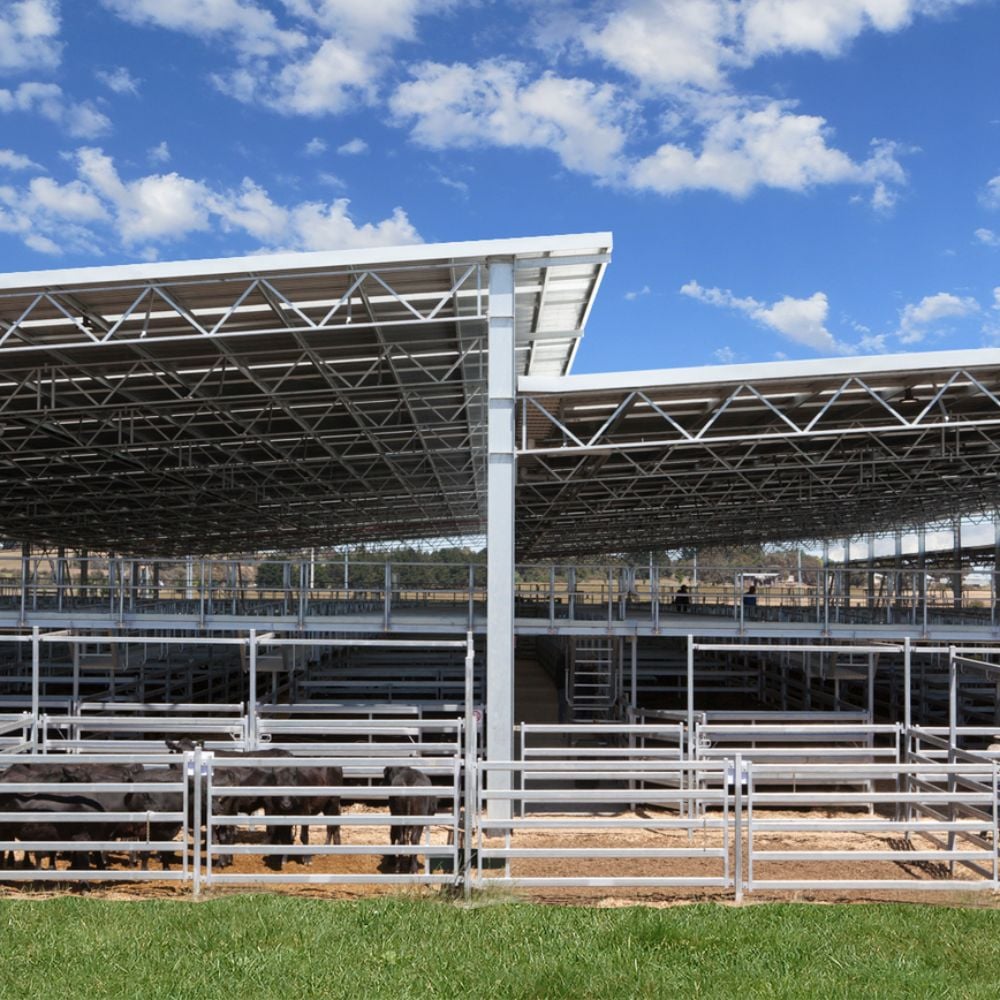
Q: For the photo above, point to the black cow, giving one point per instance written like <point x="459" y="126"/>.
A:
<point x="406" y="834"/>
<point x="309" y="804"/>
<point x="23" y="773"/>
<point x="57" y="830"/>
<point x="282" y="804"/>
<point x="166" y="801"/>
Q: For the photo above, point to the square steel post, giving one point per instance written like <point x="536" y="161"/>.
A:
<point x="35" y="686"/>
<point x="500" y="531"/>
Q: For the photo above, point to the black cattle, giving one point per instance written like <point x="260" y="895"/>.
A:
<point x="53" y="830"/>
<point x="166" y="801"/>
<point x="230" y="777"/>
<point x="309" y="804"/>
<point x="282" y="804"/>
<point x="62" y="830"/>
<point x="406" y="834"/>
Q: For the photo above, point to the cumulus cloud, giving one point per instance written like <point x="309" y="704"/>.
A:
<point x="666" y="45"/>
<point x="744" y="147"/>
<point x="697" y="43"/>
<point x="305" y="57"/>
<point x="99" y="209"/>
<point x="251" y="28"/>
<point x="916" y="320"/>
<point x="29" y="35"/>
<point x="497" y="103"/>
<point x="119" y="80"/>
<point x="632" y="295"/>
<point x="9" y="160"/>
<point x="354" y="147"/>
<point x="987" y="237"/>
<point x="800" y="320"/>
<point x="320" y="57"/>
<point x="160" y="153"/>
<point x="739" y="144"/>
<point x="80" y="120"/>
<point x="314" y="147"/>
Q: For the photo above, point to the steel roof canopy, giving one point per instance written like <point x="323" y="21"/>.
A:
<point x="745" y="454"/>
<point x="268" y="401"/>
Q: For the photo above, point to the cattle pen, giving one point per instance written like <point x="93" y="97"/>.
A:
<point x="276" y="526"/>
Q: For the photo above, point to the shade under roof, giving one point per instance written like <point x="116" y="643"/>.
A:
<point x="744" y="454"/>
<point x="269" y="401"/>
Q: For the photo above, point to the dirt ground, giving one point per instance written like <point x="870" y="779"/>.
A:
<point x="908" y="873"/>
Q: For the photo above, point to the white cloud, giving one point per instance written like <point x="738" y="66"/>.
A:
<point x="153" y="207"/>
<point x="724" y="355"/>
<point x="29" y="31"/>
<point x="745" y="147"/>
<point x="742" y="144"/>
<point x="305" y="57"/>
<point x="159" y="153"/>
<point x="354" y="147"/>
<point x="320" y="226"/>
<point x="917" y="319"/>
<point x="800" y="320"/>
<point x="496" y="103"/>
<point x="988" y="237"/>
<point x="253" y="29"/>
<point x="119" y="80"/>
<point x="452" y="182"/>
<point x="334" y="78"/>
<point x="80" y="120"/>
<point x="314" y="147"/>
<point x="369" y="25"/>
<point x="631" y="296"/>
<point x="990" y="196"/>
<point x="51" y="218"/>
<point x="823" y="26"/>
<point x="332" y="180"/>
<point x="873" y="343"/>
<point x="99" y="209"/>
<point x="9" y="160"/>
<point x="680" y="44"/>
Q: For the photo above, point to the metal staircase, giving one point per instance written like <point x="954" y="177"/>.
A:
<point x="591" y="689"/>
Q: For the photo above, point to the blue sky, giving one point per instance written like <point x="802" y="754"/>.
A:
<point x="784" y="178"/>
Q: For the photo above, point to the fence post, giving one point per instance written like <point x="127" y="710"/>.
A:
<point x="469" y="815"/>
<point x="387" y="597"/>
<point x="252" y="698"/>
<point x="35" y="686"/>
<point x="738" y="828"/>
<point x="193" y="762"/>
<point x="996" y="845"/>
<point x="201" y="594"/>
<point x="749" y="865"/>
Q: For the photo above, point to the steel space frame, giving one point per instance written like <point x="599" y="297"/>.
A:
<point x="751" y="454"/>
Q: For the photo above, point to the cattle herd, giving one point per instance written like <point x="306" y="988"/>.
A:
<point x="60" y="815"/>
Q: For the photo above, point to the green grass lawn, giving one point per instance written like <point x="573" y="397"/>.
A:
<point x="274" y="946"/>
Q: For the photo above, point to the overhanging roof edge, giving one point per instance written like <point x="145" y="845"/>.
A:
<point x="895" y="364"/>
<point x="416" y="253"/>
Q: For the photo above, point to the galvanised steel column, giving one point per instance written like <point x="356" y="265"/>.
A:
<point x="36" y="668"/>
<point x="500" y="531"/>
<point x="956" y="582"/>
